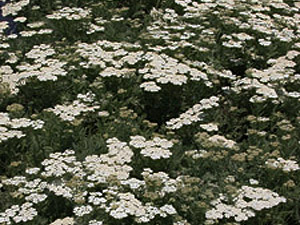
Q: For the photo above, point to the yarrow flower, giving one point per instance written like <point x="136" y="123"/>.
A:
<point x="150" y="86"/>
<point x="285" y="165"/>
<point x="193" y="114"/>
<point x="247" y="200"/>
<point x="82" y="210"/>
<point x="155" y="149"/>
<point x="64" y="221"/>
<point x="84" y="103"/>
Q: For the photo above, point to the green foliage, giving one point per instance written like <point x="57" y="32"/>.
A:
<point x="165" y="112"/>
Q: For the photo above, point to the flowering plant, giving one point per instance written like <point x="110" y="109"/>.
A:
<point x="172" y="112"/>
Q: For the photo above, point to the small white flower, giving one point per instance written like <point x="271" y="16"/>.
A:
<point x="169" y="209"/>
<point x="34" y="170"/>
<point x="82" y="210"/>
<point x="253" y="181"/>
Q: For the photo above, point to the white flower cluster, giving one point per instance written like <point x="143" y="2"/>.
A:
<point x="134" y="183"/>
<point x="12" y="8"/>
<point x="15" y="181"/>
<point x="8" y="126"/>
<point x="168" y="185"/>
<point x="95" y="222"/>
<point x="82" y="210"/>
<point x="165" y="69"/>
<point x="59" y="164"/>
<point x="247" y="200"/>
<point x="36" y="198"/>
<point x="168" y="209"/>
<point x="95" y="168"/>
<point x="113" y="163"/>
<point x="179" y="34"/>
<point x="275" y="26"/>
<point x="64" y="221"/>
<point x="222" y="141"/>
<point x="278" y="65"/>
<point x="285" y="165"/>
<point x="67" y="177"/>
<point x="111" y="71"/>
<point x="253" y="181"/>
<point x="83" y="103"/>
<point x="18" y="214"/>
<point x="293" y="94"/>
<point x="24" y="122"/>
<point x="261" y="198"/>
<point x="9" y="77"/>
<point x="30" y="33"/>
<point x="209" y="127"/>
<point x="3" y="26"/>
<point x="40" y="52"/>
<point x="127" y="205"/>
<point x="97" y="26"/>
<point x="150" y="86"/>
<point x="12" y="58"/>
<point x="280" y="70"/>
<point x="193" y="114"/>
<point x="161" y="28"/>
<point x="37" y="24"/>
<point x="32" y="190"/>
<point x="6" y="134"/>
<point x="105" y="53"/>
<point x="258" y="20"/>
<point x="162" y="68"/>
<point x="61" y="190"/>
<point x="118" y="152"/>
<point x="223" y="210"/>
<point x="93" y="28"/>
<point x="237" y="39"/>
<point x="263" y="90"/>
<point x="181" y="222"/>
<point x="164" y="182"/>
<point x="43" y="68"/>
<point x="197" y="154"/>
<point x="70" y="13"/>
<point x="156" y="148"/>
<point x="96" y="198"/>
<point x="4" y="45"/>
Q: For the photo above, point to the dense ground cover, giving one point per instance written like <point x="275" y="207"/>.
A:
<point x="170" y="112"/>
